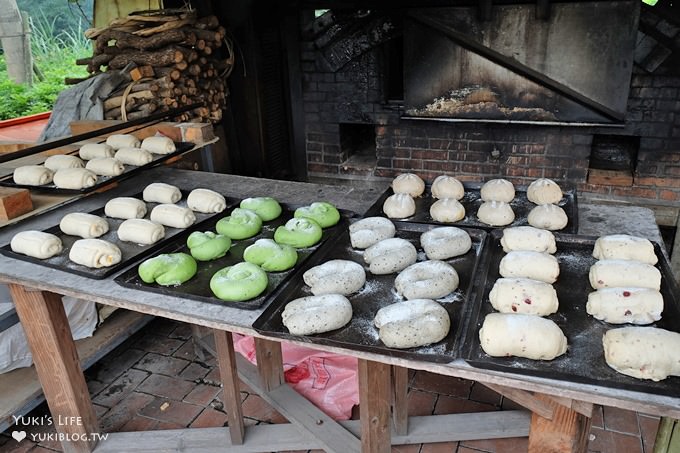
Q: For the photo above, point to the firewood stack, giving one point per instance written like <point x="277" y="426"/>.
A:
<point x="177" y="59"/>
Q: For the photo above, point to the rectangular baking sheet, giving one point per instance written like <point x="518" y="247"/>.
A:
<point x="131" y="252"/>
<point x="472" y="200"/>
<point x="198" y="288"/>
<point x="130" y="170"/>
<point x="584" y="360"/>
<point x="379" y="292"/>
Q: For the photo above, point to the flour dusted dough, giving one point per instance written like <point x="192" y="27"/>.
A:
<point x="616" y="273"/>
<point x="140" y="231"/>
<point x="335" y="277"/>
<point x="207" y="201"/>
<point x="399" y="206"/>
<point x="133" y="156"/>
<point x="173" y="216"/>
<point x="408" y="183"/>
<point x="94" y="253"/>
<point x="523" y="295"/>
<point x="316" y="314"/>
<point x="496" y="213"/>
<point x="33" y="175"/>
<point x="643" y="352"/>
<point x="528" y="238"/>
<point x="412" y="323"/>
<point x="528" y="336"/>
<point x="83" y="225"/>
<point x="445" y="242"/>
<point x="498" y="190"/>
<point x="106" y="166"/>
<point x="125" y="208"/>
<point x="95" y="151"/>
<point x="158" y="145"/>
<point x="431" y="279"/>
<point x="37" y="244"/>
<point x="548" y="217"/>
<point x="445" y="186"/>
<point x="447" y="210"/>
<point x="118" y="141"/>
<point x="74" y="178"/>
<point x="624" y="247"/>
<point x="625" y="305"/>
<point x="390" y="255"/>
<point x="534" y="265"/>
<point x="159" y="192"/>
<point x="371" y="230"/>
<point x="59" y="161"/>
<point x="544" y="191"/>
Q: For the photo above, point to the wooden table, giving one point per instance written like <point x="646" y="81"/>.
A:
<point x="560" y="411"/>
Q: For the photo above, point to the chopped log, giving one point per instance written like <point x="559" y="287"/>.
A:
<point x="141" y="72"/>
<point x="182" y="65"/>
<point x="77" y="80"/>
<point x="173" y="73"/>
<point x="164" y="28"/>
<point x="163" y="57"/>
<point x="207" y="22"/>
<point x="207" y="35"/>
<point x="124" y="40"/>
<point x="194" y="69"/>
<point x="117" y="100"/>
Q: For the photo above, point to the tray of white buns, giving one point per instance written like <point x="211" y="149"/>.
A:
<point x="95" y="165"/>
<point x="493" y="204"/>
<point x="106" y="240"/>
<point x="400" y="289"/>
<point x="241" y="257"/>
<point x="584" y="309"/>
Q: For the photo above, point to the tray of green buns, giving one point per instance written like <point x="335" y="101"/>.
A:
<point x="210" y="264"/>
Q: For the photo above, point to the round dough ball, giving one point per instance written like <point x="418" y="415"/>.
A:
<point x="240" y="224"/>
<point x="371" y="230"/>
<point x="59" y="161"/>
<point x="496" y="213"/>
<point x="266" y="207"/>
<point x="399" y="206"/>
<point x="445" y="242"/>
<point x="95" y="151"/>
<point x="528" y="238"/>
<point x="125" y="208"/>
<point x="316" y="314"/>
<point x="408" y="183"/>
<point x="36" y="244"/>
<point x="325" y="214"/>
<point x="33" y="175"/>
<point x="427" y="280"/>
<point x="95" y="253"/>
<point x="299" y="233"/>
<point x="133" y="156"/>
<point x="548" y="217"/>
<point x="159" y="192"/>
<point x="447" y="210"/>
<point x="625" y="305"/>
<point x="206" y="201"/>
<point x="544" y="191"/>
<point x="170" y="269"/>
<point x="74" y="178"/>
<point x="208" y="246"/>
<point x="445" y="186"/>
<point x="84" y="225"/>
<point x="529" y="336"/>
<point x="643" y="352"/>
<point x="390" y="255"/>
<point x="534" y="265"/>
<point x="498" y="190"/>
<point x="524" y="295"/>
<point x="140" y="231"/>
<point x="624" y="247"/>
<point x="172" y="215"/>
<point x="242" y="281"/>
<point x="117" y="141"/>
<point x="617" y="273"/>
<point x="270" y="256"/>
<point x="335" y="277"/>
<point x="412" y="323"/>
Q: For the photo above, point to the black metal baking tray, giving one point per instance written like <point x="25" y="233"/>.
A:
<point x="130" y="170"/>
<point x="198" y="288"/>
<point x="379" y="292"/>
<point x="584" y="360"/>
<point x="131" y="252"/>
<point x="472" y="201"/>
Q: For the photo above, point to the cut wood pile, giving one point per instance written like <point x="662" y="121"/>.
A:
<point x="174" y="59"/>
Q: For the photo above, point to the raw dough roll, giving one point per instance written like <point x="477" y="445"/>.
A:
<point x="529" y="336"/>
<point x="173" y="216"/>
<point x="265" y="207"/>
<point x="95" y="151"/>
<point x="159" y="192"/>
<point x="59" y="161"/>
<point x="83" y="225"/>
<point x="408" y="183"/>
<point x="495" y="213"/>
<point x="447" y="210"/>
<point x="299" y="233"/>
<point x="445" y="186"/>
<point x="445" y="242"/>
<point x="37" y="244"/>
<point x="158" y="145"/>
<point x="33" y="175"/>
<point x="94" y="253"/>
<point x="325" y="214"/>
<point x="548" y="217"/>
<point x="118" y="141"/>
<point x="74" y="178"/>
<point x="528" y="238"/>
<point x="240" y="224"/>
<point x="523" y="295"/>
<point x="316" y="314"/>
<point x="335" y="277"/>
<point x="534" y="265"/>
<point x="106" y="166"/>
<point x="242" y="281"/>
<point x="498" y="190"/>
<point x="208" y="246"/>
<point x="169" y="269"/>
<point x="412" y="323"/>
<point x="643" y="352"/>
<point x="133" y="156"/>
<point x="371" y="230"/>
<point x="625" y="305"/>
<point x="544" y="191"/>
<point x="125" y="208"/>
<point x="206" y="201"/>
<point x="616" y="273"/>
<point x="270" y="256"/>
<point x="624" y="247"/>
<point x="390" y="255"/>
<point x="140" y="231"/>
<point x="427" y="280"/>
<point x="399" y="206"/>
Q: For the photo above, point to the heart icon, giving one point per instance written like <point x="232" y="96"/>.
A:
<point x="19" y="435"/>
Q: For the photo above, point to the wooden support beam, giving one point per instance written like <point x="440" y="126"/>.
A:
<point x="400" y="399"/>
<point x="567" y="432"/>
<point x="269" y="363"/>
<point x="524" y="398"/>
<point x="224" y="345"/>
<point x="374" y="406"/>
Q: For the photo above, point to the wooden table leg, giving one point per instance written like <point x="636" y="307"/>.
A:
<point x="56" y="361"/>
<point x="400" y="399"/>
<point x="269" y="363"/>
<point x="374" y="406"/>
<point x="567" y="432"/>
<point x="226" y="358"/>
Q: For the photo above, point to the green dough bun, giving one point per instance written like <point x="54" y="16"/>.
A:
<point x="325" y="214"/>
<point x="266" y="207"/>
<point x="170" y="269"/>
<point x="241" y="224"/>
<point x="271" y="256"/>
<point x="242" y="281"/>
<point x="298" y="233"/>
<point x="208" y="246"/>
